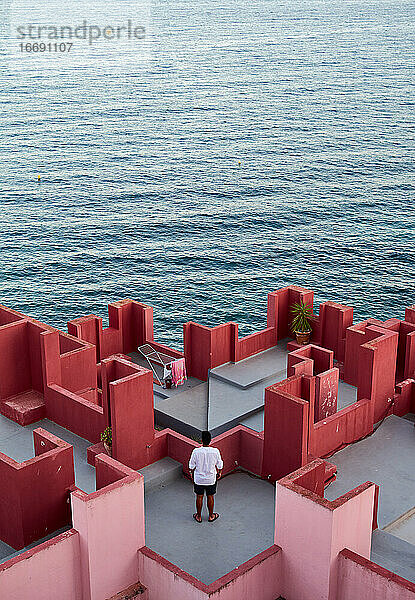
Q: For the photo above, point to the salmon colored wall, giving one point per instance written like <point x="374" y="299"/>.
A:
<point x="110" y="523"/>
<point x="360" y="578"/>
<point x="310" y="551"/>
<point x="49" y="571"/>
<point x="259" y="577"/>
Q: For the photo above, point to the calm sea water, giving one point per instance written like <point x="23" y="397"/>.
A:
<point x="142" y="194"/>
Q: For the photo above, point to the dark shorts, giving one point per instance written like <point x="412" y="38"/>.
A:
<point x="201" y="489"/>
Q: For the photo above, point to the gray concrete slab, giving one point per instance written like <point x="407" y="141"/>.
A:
<point x="17" y="442"/>
<point x="161" y="473"/>
<point x="347" y="395"/>
<point x="404" y="527"/>
<point x="185" y="412"/>
<point x="386" y="458"/>
<point x="393" y="554"/>
<point x="209" y="550"/>
<point x="255" y="421"/>
<point x="251" y="370"/>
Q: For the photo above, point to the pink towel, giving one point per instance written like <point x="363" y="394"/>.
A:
<point x="178" y="371"/>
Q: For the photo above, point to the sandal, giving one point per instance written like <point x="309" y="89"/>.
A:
<point x="215" y="516"/>
<point x="195" y="516"/>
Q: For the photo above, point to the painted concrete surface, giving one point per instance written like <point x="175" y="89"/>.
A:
<point x="17" y="442"/>
<point x="255" y="368"/>
<point x="209" y="550"/>
<point x="387" y="458"/>
<point x="161" y="473"/>
<point x="404" y="527"/>
<point x="190" y="407"/>
<point x="393" y="554"/>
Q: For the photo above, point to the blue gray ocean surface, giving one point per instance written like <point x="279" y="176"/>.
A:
<point x="142" y="194"/>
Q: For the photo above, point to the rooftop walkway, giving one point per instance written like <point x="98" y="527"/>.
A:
<point x="387" y="458"/>
<point x="209" y="550"/>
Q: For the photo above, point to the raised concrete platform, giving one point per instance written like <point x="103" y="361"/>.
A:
<point x="161" y="473"/>
<point x="393" y="554"/>
<point x="404" y="527"/>
<point x="25" y="408"/>
<point x="209" y="550"/>
<point x="252" y="370"/>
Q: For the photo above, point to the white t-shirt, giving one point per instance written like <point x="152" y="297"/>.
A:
<point x="205" y="460"/>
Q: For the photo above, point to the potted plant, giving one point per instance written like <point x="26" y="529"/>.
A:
<point x="106" y="437"/>
<point x="301" y="323"/>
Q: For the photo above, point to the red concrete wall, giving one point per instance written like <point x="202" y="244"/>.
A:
<point x="34" y="494"/>
<point x="279" y="304"/>
<point x="78" y="369"/>
<point x="129" y="390"/>
<point x="254" y="343"/>
<point x="316" y="360"/>
<point x="360" y="578"/>
<point x="410" y="314"/>
<point x="89" y="329"/>
<point x="334" y="321"/>
<point x="327" y="385"/>
<point x="222" y="337"/>
<point x="197" y="349"/>
<point x="15" y="371"/>
<point x="355" y="337"/>
<point x="340" y="429"/>
<point x="404" y="399"/>
<point x="377" y="370"/>
<point x="75" y="413"/>
<point x="286" y="417"/>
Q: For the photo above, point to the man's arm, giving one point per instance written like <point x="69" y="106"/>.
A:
<point x="192" y="466"/>
<point x="219" y="466"/>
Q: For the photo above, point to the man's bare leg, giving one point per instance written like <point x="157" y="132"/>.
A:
<point x="211" y="504"/>
<point x="199" y="504"/>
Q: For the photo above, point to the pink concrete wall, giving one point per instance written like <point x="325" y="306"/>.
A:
<point x="111" y="529"/>
<point x="49" y="571"/>
<point x="310" y="551"/>
<point x="260" y="577"/>
<point x="362" y="579"/>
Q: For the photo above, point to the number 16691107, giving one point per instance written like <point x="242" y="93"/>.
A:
<point x="46" y="47"/>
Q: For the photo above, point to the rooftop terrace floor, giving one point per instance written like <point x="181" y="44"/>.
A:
<point x="210" y="550"/>
<point x="233" y="394"/>
<point x="387" y="458"/>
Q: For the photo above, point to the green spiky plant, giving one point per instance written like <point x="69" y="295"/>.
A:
<point x="106" y="436"/>
<point x="302" y="315"/>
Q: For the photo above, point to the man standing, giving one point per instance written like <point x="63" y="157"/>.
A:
<point x="205" y="466"/>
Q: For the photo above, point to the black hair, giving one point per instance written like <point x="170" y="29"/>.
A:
<point x="206" y="438"/>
